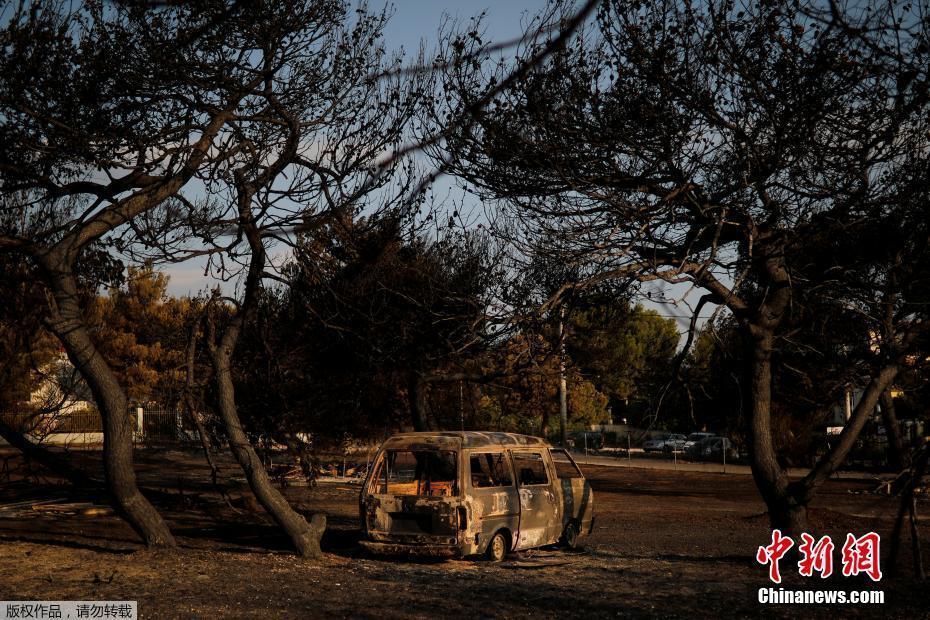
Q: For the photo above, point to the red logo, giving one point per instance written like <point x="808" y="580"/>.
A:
<point x="816" y="556"/>
<point x="859" y="555"/>
<point x="773" y="553"/>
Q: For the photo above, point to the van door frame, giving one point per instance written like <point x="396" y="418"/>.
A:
<point x="575" y="493"/>
<point x="504" y="513"/>
<point x="542" y="496"/>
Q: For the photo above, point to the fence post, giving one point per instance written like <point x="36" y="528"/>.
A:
<point x="140" y="428"/>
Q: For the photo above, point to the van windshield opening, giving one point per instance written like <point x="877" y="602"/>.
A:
<point x="430" y="473"/>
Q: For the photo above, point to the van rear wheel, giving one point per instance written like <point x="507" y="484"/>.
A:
<point x="497" y="548"/>
<point x="570" y="537"/>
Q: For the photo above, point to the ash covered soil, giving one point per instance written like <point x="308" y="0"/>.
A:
<point x="666" y="544"/>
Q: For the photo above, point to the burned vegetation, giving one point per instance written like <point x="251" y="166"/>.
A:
<point x="435" y="303"/>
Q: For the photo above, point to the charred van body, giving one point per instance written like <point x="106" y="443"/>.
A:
<point x="468" y="493"/>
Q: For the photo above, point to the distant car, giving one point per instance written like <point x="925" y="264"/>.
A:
<point x="675" y="443"/>
<point x="656" y="444"/>
<point x="712" y="449"/>
<point x="693" y="438"/>
<point x="660" y="443"/>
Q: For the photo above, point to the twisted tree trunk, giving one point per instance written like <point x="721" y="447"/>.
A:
<point x="305" y="536"/>
<point x="188" y="399"/>
<point x="785" y="512"/>
<point x="787" y="501"/>
<point x="563" y="384"/>
<point x="67" y="323"/>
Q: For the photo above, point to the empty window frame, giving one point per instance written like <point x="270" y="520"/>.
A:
<point x="421" y="472"/>
<point x="530" y="468"/>
<point x="490" y="469"/>
<point x="565" y="467"/>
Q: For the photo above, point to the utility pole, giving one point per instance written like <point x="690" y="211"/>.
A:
<point x="462" y="403"/>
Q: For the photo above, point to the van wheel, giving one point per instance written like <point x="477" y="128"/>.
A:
<point x="570" y="536"/>
<point x="497" y="548"/>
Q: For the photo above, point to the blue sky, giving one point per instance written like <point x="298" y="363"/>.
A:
<point x="416" y="20"/>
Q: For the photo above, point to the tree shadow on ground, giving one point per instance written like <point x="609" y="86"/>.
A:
<point x="43" y="538"/>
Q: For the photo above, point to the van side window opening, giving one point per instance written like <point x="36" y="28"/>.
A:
<point x="564" y="466"/>
<point x="420" y="472"/>
<point x="489" y="469"/>
<point x="530" y="467"/>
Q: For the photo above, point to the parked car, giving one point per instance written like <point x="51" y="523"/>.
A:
<point x="676" y="444"/>
<point x="663" y="443"/>
<point x="693" y="438"/>
<point x="469" y="493"/>
<point x="712" y="449"/>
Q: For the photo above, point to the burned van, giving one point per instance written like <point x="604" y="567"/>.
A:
<point x="469" y="493"/>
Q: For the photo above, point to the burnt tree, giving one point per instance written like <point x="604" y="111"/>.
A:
<point x="123" y="123"/>
<point x="709" y="145"/>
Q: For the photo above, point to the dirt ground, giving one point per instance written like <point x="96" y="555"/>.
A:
<point x="666" y="544"/>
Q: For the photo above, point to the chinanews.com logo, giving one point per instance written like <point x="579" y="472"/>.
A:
<point x="859" y="556"/>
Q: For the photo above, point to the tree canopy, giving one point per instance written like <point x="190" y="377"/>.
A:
<point x="712" y="145"/>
